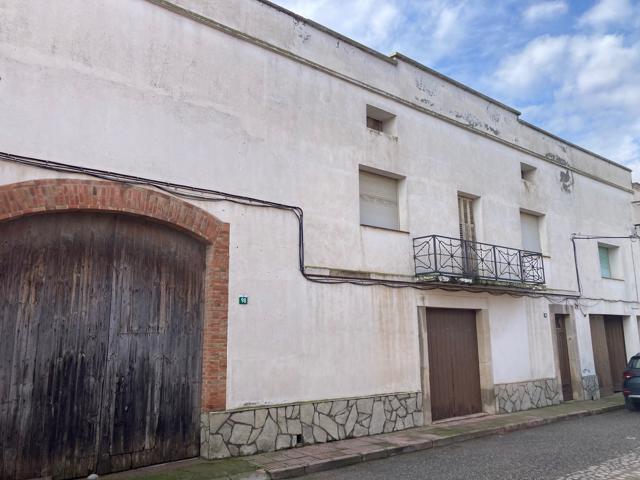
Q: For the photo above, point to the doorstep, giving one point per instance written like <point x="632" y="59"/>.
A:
<point x="326" y="456"/>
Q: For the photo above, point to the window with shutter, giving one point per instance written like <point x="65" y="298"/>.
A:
<point x="467" y="222"/>
<point x="530" y="226"/>
<point x="378" y="201"/>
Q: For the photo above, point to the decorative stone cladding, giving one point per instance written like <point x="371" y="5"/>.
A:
<point x="514" y="397"/>
<point x="591" y="387"/>
<point x="259" y="430"/>
<point x="47" y="196"/>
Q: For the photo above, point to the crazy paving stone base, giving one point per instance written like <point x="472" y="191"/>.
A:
<point x="515" y="397"/>
<point x="591" y="387"/>
<point x="246" y="432"/>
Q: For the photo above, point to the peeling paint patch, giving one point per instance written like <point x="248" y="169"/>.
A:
<point x="566" y="181"/>
<point x="423" y="88"/>
<point x="556" y="158"/>
<point x="425" y="101"/>
<point x="300" y="29"/>
<point x="475" y="122"/>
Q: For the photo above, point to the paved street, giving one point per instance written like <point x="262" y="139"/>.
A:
<point x="598" y="447"/>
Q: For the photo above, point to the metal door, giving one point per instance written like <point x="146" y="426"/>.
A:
<point x="563" y="357"/>
<point x="100" y="344"/>
<point x="454" y="373"/>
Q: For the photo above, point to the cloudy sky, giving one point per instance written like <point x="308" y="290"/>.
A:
<point x="571" y="67"/>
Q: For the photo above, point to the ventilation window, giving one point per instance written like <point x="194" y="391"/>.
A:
<point x="527" y="172"/>
<point x="381" y="121"/>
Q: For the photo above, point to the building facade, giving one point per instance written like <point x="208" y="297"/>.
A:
<point x="226" y="229"/>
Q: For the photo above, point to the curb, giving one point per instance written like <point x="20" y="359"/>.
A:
<point x="382" y="451"/>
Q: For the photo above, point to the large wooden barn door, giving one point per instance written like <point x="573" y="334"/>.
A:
<point x="100" y="344"/>
<point x="454" y="373"/>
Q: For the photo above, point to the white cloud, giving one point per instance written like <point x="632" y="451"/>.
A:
<point x="537" y="62"/>
<point x="545" y="10"/>
<point x="586" y="88"/>
<point x="608" y="12"/>
<point x="367" y="21"/>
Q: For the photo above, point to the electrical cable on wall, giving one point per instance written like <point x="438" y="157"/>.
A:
<point x="208" y="195"/>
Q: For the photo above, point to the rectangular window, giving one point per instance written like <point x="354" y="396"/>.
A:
<point x="527" y="172"/>
<point x="530" y="226"/>
<point x="605" y="261"/>
<point x="378" y="201"/>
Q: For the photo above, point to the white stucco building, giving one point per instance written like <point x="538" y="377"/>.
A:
<point x="248" y="99"/>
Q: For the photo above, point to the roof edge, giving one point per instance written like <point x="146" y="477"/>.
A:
<point x="573" y="145"/>
<point x="328" y="31"/>
<point x="456" y="83"/>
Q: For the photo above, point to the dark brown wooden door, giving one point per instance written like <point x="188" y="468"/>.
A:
<point x="616" y="349"/>
<point x="563" y="357"/>
<point x="609" y="353"/>
<point x="454" y="373"/>
<point x="100" y="344"/>
<point x="601" y="354"/>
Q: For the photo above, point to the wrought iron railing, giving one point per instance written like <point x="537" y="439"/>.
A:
<point x="454" y="257"/>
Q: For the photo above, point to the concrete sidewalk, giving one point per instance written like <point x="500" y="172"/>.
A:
<point x="315" y="458"/>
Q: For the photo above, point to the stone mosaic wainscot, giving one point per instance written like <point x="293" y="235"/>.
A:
<point x="515" y="397"/>
<point x="246" y="432"/>
<point x="591" y="387"/>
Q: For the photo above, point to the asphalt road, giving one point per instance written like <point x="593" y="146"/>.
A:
<point x="599" y="447"/>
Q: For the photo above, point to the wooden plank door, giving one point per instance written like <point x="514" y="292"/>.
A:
<point x="100" y="344"/>
<point x="454" y="373"/>
<point x="55" y="295"/>
<point x="616" y="349"/>
<point x="563" y="357"/>
<point x="601" y="354"/>
<point x="152" y="413"/>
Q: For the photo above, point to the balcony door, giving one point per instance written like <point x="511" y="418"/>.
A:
<point x="467" y="235"/>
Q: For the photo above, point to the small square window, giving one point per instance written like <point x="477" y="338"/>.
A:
<point x="381" y="121"/>
<point x="379" y="200"/>
<point x="527" y="172"/>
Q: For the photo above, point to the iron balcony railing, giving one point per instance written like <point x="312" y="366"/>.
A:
<point x="436" y="255"/>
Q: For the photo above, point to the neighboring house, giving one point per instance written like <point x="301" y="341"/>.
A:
<point x="143" y="322"/>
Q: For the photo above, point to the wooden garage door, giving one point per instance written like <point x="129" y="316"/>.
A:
<point x="100" y="344"/>
<point x="454" y="374"/>
<point x="607" y="339"/>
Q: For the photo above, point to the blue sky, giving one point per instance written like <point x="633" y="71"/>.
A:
<point x="571" y="67"/>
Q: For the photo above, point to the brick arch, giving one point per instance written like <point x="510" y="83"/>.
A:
<point x="58" y="195"/>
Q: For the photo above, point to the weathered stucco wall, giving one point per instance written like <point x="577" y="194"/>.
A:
<point x="132" y="87"/>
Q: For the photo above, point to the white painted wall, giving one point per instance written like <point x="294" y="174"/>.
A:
<point x="128" y="86"/>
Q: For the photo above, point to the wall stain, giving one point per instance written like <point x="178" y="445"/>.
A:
<point x="475" y="122"/>
<point x="556" y="158"/>
<point x="566" y="181"/>
<point x="420" y="85"/>
<point x="425" y="101"/>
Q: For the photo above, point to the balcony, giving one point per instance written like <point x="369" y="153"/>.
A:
<point x="437" y="257"/>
